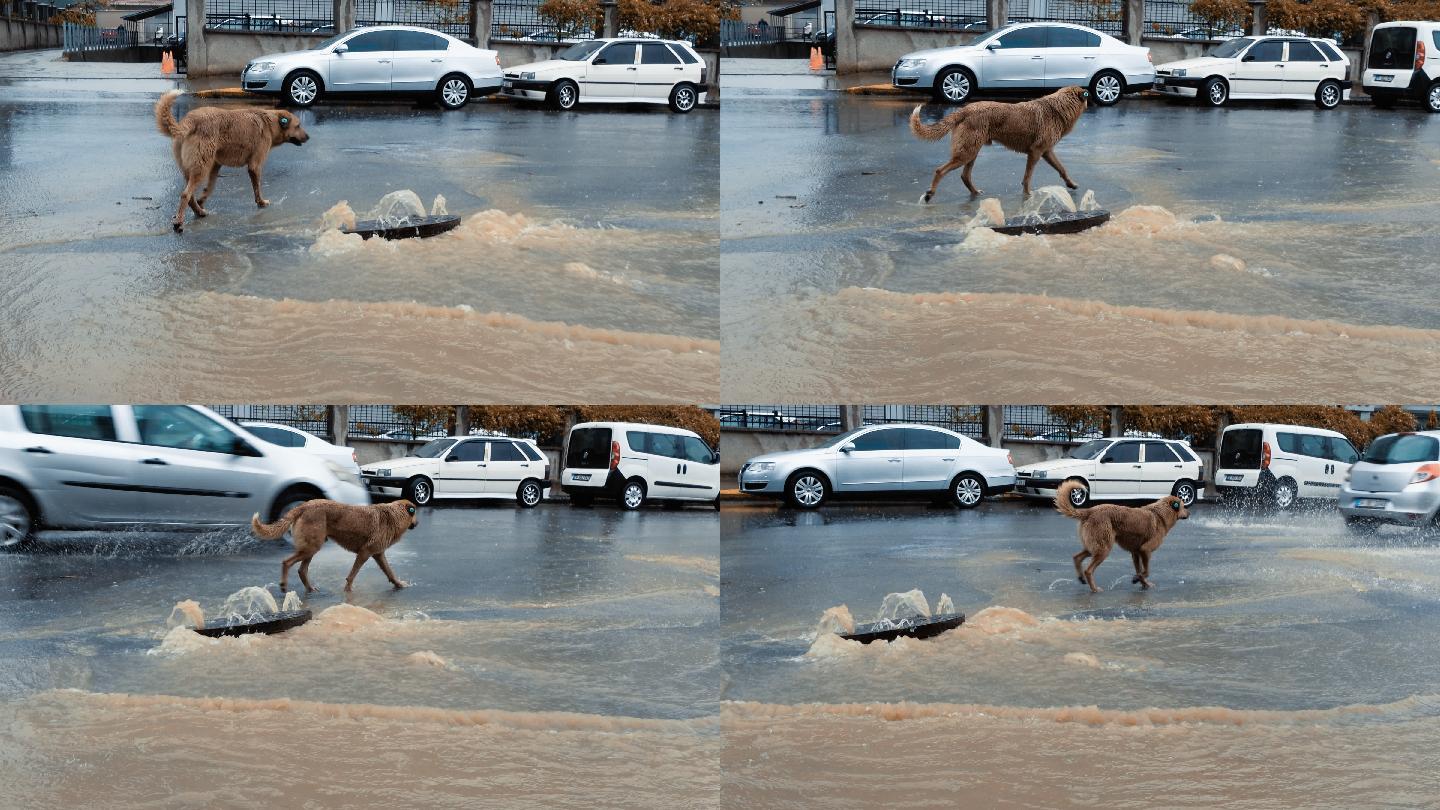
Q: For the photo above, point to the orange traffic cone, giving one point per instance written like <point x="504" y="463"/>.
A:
<point x="817" y="62"/>
<point x="167" y="64"/>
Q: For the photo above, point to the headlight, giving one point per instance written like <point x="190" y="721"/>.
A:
<point x="529" y="74"/>
<point x="1179" y="72"/>
<point x="1038" y="474"/>
<point x="910" y="64"/>
<point x="763" y="466"/>
<point x="261" y="67"/>
<point x="383" y="473"/>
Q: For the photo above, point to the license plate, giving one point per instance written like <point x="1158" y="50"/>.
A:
<point x="580" y="477"/>
<point x="1234" y="478"/>
<point x="1370" y="503"/>
<point x="1384" y="77"/>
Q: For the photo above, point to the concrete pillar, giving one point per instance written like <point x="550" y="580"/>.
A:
<point x="851" y="417"/>
<point x="482" y="12"/>
<point x="1132" y="20"/>
<point x="462" y="420"/>
<point x="344" y="14"/>
<point x="339" y="418"/>
<point x="1259" y="21"/>
<point x="1117" y="422"/>
<point x="196" y="62"/>
<point x="611" y="18"/>
<point x="847" y="52"/>
<point x="997" y="13"/>
<point x="995" y="425"/>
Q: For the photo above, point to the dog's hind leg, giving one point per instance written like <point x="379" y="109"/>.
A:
<point x="360" y="559"/>
<point x="385" y="566"/>
<point x="305" y="575"/>
<point x="1055" y="163"/>
<point x="205" y="195"/>
<point x="285" y="568"/>
<point x="965" y="175"/>
<point x="1080" y="558"/>
<point x="187" y="197"/>
<point x="1095" y="563"/>
<point x="255" y="184"/>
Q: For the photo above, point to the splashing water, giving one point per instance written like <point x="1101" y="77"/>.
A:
<point x="944" y="605"/>
<point x="186" y="614"/>
<point x="990" y="214"/>
<point x="292" y="602"/>
<point x="1087" y="202"/>
<point x="835" y="620"/>
<point x="398" y="208"/>
<point x="249" y="603"/>
<point x="1048" y="203"/>
<point x="437" y="208"/>
<point x="904" y="606"/>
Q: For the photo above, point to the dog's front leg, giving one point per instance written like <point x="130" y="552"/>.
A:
<point x="385" y="566"/>
<point x="255" y="184"/>
<point x="1055" y="163"/>
<point x="355" y="569"/>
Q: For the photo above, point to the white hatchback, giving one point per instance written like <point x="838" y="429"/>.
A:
<point x="464" y="467"/>
<point x="1296" y="68"/>
<point x="1118" y="470"/>
<point x="643" y="71"/>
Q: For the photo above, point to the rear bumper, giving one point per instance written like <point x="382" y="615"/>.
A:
<point x="1410" y="507"/>
<point x="602" y="483"/>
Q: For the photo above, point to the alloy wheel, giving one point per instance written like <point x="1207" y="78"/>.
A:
<point x="808" y="490"/>
<point x="454" y="92"/>
<point x="967" y="491"/>
<point x="303" y="90"/>
<point x="530" y="494"/>
<point x="1330" y="95"/>
<point x="634" y="496"/>
<point x="1107" y="89"/>
<point x="15" y="521"/>
<point x="955" y="87"/>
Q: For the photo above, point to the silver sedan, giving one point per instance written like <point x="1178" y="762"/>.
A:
<point x="378" y="60"/>
<point x="1030" y="56"/>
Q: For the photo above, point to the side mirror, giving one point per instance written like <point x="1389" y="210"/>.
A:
<point x="992" y="45"/>
<point x="1108" y="460"/>
<point x="341" y="48"/>
<point x="240" y="447"/>
<point x="452" y="457"/>
<point x="847" y="447"/>
<point x="715" y="457"/>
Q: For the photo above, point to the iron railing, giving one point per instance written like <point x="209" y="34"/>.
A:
<point x="271" y="16"/>
<point x="1173" y="18"/>
<point x="954" y="15"/>
<point x="1101" y="15"/>
<point x="967" y="420"/>
<point x="737" y="32"/>
<point x="816" y="418"/>
<point x="452" y="18"/>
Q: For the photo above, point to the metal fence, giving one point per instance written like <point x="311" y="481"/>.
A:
<point x="310" y="418"/>
<point x="1173" y="18"/>
<point x="273" y="16"/>
<point x="737" y="32"/>
<point x="958" y="15"/>
<point x="817" y="418"/>
<point x="1102" y="15"/>
<point x="522" y="21"/>
<point x="967" y="420"/>
<point x="452" y="17"/>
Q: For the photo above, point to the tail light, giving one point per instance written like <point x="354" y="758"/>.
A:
<point x="1425" y="472"/>
<point x="353" y="458"/>
<point x="1148" y="57"/>
<point x="547" y="472"/>
<point x="1419" y="53"/>
<point x="704" y="75"/>
<point x="1264" y="455"/>
<point x="1010" y="458"/>
<point x="614" y="455"/>
<point x="497" y="60"/>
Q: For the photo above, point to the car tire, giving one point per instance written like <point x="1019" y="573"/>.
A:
<point x="717" y="503"/>
<point x="632" y="495"/>
<point x="807" y="489"/>
<point x="954" y="85"/>
<point x="967" y="490"/>
<point x="1215" y="92"/>
<point x="302" y="88"/>
<point x="19" y="520"/>
<point x="453" y="91"/>
<point x="1184" y="489"/>
<point x="1284" y="494"/>
<point x="1080" y="496"/>
<point x="419" y="491"/>
<point x="1432" y="98"/>
<point x="289" y="499"/>
<point x="683" y="98"/>
<point x="564" y="95"/>
<point x="529" y="494"/>
<point x="1107" y="87"/>
<point x="1328" y="95"/>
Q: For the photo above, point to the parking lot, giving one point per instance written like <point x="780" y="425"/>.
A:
<point x="575" y="643"/>
<point x="1320" y="648"/>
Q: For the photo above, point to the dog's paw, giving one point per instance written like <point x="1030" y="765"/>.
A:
<point x="201" y="212"/>
<point x="925" y="198"/>
<point x="178" y="228"/>
<point x="1082" y="580"/>
<point x="1135" y="579"/>
<point x="262" y="203"/>
<point x="1071" y="185"/>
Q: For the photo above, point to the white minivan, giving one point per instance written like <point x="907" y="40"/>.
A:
<point x="1404" y="64"/>
<point x="1280" y="464"/>
<point x="635" y="463"/>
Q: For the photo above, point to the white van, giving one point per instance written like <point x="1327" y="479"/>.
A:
<point x="1403" y="63"/>
<point x="634" y="463"/>
<point x="1281" y="464"/>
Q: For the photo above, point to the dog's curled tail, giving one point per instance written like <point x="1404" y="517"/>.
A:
<point x="1062" y="500"/>
<point x="165" y="115"/>
<point x="272" y="531"/>
<point x="935" y="131"/>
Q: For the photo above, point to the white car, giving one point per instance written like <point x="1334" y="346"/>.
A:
<point x="899" y="460"/>
<point x="1118" y="470"/>
<point x="1404" y="63"/>
<point x="1397" y="482"/>
<point x="464" y="467"/>
<point x="1282" y="463"/>
<point x="627" y="70"/>
<point x="1029" y="56"/>
<point x="286" y="436"/>
<point x="1297" y="68"/>
<point x="635" y="463"/>
<point x="152" y="466"/>
<point x="383" y="59"/>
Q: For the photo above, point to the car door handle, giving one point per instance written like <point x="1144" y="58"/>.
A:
<point x="895" y="461"/>
<point x="41" y="450"/>
<point x="1089" y="57"/>
<point x="382" y="61"/>
<point x="437" y="60"/>
<point x="1037" y="57"/>
<point x="947" y="459"/>
<point x="156" y="461"/>
<point x="631" y="68"/>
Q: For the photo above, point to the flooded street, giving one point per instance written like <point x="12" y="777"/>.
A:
<point x="1306" y="251"/>
<point x="1277" y="663"/>
<point x="534" y="652"/>
<point x="581" y="242"/>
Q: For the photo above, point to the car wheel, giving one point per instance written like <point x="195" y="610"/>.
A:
<point x="419" y="491"/>
<point x="717" y="503"/>
<point x="806" y="490"/>
<point x="954" y="85"/>
<point x="1185" y="491"/>
<point x="565" y="95"/>
<point x="967" y="490"/>
<point x="1215" y="92"/>
<point x="632" y="495"/>
<point x="1107" y="87"/>
<point x="683" y="98"/>
<point x="453" y="92"/>
<point x="17" y="520"/>
<point x="302" y="88"/>
<point x="1284" y="494"/>
<point x="1080" y="496"/>
<point x="289" y="499"/>
<point x="1328" y="95"/>
<point x="529" y="494"/>
<point x="1432" y="98"/>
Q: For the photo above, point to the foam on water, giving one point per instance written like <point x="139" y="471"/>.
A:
<point x="186" y="613"/>
<point x="944" y="605"/>
<point x="903" y="606"/>
<point x="249" y="603"/>
<point x="292" y="602"/>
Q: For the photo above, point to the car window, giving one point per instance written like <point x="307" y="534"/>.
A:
<point x="1289" y="442"/>
<point x="697" y="450"/>
<point x="1342" y="450"/>
<point x="530" y="451"/>
<point x="182" y="428"/>
<point x="1072" y="38"/>
<point x="419" y="41"/>
<point x="1122" y="453"/>
<point x="1267" y="50"/>
<point x="684" y="54"/>
<point x="1329" y="50"/>
<point x="621" y="53"/>
<point x="1314" y="446"/>
<point x="919" y="439"/>
<point x="284" y="438"/>
<point x="1392" y="48"/>
<point x="655" y="53"/>
<point x="75" y="421"/>
<point x="1160" y="451"/>
<point x="883" y="439"/>
<point x="1032" y="37"/>
<point x="467" y="451"/>
<point x="589" y="448"/>
<point x="505" y="451"/>
<point x="1403" y="448"/>
<point x="372" y="42"/>
<point x="1304" y="52"/>
<point x="1435" y="37"/>
<point x="1185" y="453"/>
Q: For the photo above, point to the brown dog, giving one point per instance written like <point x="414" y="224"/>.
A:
<point x="1139" y="530"/>
<point x="366" y="530"/>
<point x="211" y="137"/>
<point x="1031" y="128"/>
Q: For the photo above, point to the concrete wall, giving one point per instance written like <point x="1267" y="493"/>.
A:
<point x="25" y="35"/>
<point x="225" y="53"/>
<point x="790" y="49"/>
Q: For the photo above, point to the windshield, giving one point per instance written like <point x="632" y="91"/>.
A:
<point x="1230" y="47"/>
<point x="580" y="51"/>
<point x="434" y="448"/>
<point x="1090" y="449"/>
<point x="841" y="439"/>
<point x="1403" y="448"/>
